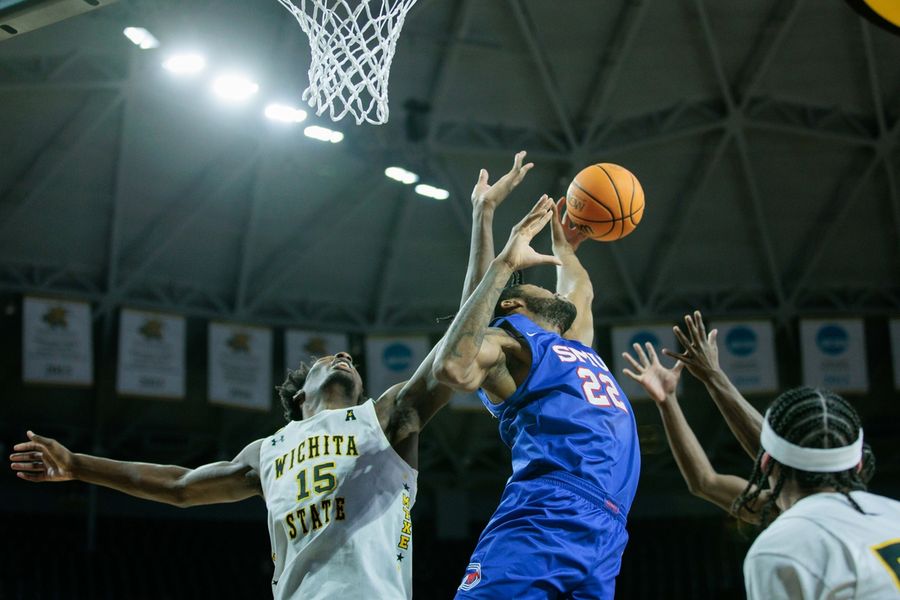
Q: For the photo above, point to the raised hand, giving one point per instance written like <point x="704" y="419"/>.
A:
<point x="659" y="381"/>
<point x="490" y="196"/>
<point x="41" y="459"/>
<point x="701" y="354"/>
<point x="518" y="253"/>
<point x="565" y="235"/>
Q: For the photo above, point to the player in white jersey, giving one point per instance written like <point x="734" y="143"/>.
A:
<point x="339" y="479"/>
<point x="831" y="539"/>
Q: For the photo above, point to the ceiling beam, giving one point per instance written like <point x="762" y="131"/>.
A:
<point x="46" y="166"/>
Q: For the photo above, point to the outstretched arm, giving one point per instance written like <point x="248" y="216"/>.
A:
<point x="470" y="350"/>
<point x="701" y="478"/>
<point x="44" y="459"/>
<point x="485" y="200"/>
<point x="572" y="280"/>
<point x="701" y="357"/>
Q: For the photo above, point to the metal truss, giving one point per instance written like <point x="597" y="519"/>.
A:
<point x="109" y="81"/>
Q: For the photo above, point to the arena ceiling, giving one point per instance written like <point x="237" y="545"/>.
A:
<point x="764" y="134"/>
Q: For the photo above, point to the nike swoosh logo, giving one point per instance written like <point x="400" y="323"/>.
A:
<point x="531" y="334"/>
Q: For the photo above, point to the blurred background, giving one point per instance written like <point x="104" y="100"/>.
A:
<point x="144" y="201"/>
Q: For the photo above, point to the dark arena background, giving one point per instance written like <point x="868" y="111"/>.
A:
<point x="765" y="135"/>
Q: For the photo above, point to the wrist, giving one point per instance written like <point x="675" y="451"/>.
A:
<point x="483" y="210"/>
<point x="76" y="465"/>
<point x="502" y="267"/>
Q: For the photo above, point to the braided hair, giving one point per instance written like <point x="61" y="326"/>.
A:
<point x="811" y="418"/>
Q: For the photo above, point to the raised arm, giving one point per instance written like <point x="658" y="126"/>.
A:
<point x="572" y="280"/>
<point x="701" y="357"/>
<point x="702" y="479"/>
<point x="44" y="459"/>
<point x="470" y="349"/>
<point x="485" y="200"/>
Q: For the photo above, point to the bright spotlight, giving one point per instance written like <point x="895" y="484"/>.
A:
<point x="141" y="38"/>
<point x="432" y="192"/>
<point x="234" y="88"/>
<point x="323" y="134"/>
<point x="402" y="175"/>
<point x="285" y="114"/>
<point x="184" y="64"/>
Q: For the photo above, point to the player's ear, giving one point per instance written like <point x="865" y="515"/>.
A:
<point x="511" y="304"/>
<point x="299" y="398"/>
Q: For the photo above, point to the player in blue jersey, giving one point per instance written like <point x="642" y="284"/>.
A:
<point x="559" y="531"/>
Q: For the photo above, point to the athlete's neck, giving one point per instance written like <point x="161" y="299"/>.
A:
<point x="791" y="493"/>
<point x="538" y="320"/>
<point x="329" y="398"/>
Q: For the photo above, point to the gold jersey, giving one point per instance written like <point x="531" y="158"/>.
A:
<point x="339" y="500"/>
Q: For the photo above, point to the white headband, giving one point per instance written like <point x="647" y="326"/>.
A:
<point x="814" y="460"/>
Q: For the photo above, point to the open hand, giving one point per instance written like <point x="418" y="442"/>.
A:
<point x="41" y="459"/>
<point x="518" y="253"/>
<point x="566" y="237"/>
<point x="659" y="381"/>
<point x="701" y="354"/>
<point x="490" y="196"/>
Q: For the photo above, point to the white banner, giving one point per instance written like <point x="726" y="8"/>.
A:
<point x="895" y="350"/>
<point x="390" y="360"/>
<point x="834" y="354"/>
<point x="151" y="354"/>
<point x="240" y="366"/>
<point x="747" y="354"/>
<point x="660" y="336"/>
<point x="57" y="342"/>
<point x="299" y="346"/>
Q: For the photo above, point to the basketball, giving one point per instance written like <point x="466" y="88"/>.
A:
<point x="605" y="201"/>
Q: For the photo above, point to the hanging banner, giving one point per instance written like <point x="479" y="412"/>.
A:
<point x="834" y="354"/>
<point x="623" y="338"/>
<point x="151" y="354"/>
<point x="390" y="360"/>
<point x="895" y="350"/>
<point x="747" y="354"/>
<point x="240" y="366"/>
<point x="57" y="342"/>
<point x="299" y="346"/>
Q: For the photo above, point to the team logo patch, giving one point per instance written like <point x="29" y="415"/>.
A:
<point x="472" y="577"/>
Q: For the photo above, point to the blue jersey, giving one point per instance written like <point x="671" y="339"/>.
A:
<point x="569" y="416"/>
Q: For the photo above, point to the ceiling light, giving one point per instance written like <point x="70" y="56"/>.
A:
<point x="184" y="64"/>
<point x="141" y="38"/>
<point x="234" y="88"/>
<point x="285" y="114"/>
<point x="402" y="175"/>
<point x="323" y="134"/>
<point x="432" y="192"/>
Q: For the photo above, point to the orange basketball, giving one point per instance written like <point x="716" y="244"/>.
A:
<point x="605" y="201"/>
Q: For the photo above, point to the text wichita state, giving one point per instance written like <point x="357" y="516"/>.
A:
<point x="314" y="480"/>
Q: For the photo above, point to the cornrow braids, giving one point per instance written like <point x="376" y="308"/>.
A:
<point x="293" y="383"/>
<point x="811" y="418"/>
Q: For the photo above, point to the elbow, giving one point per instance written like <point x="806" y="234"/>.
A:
<point x="451" y="374"/>
<point x="700" y="486"/>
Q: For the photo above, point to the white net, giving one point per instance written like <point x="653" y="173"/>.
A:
<point x="352" y="44"/>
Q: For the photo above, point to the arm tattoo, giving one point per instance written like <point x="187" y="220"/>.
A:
<point x="466" y="333"/>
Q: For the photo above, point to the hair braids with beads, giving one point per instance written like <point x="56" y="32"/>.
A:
<point x="811" y="418"/>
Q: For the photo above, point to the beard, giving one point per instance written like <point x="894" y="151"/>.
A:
<point x="557" y="311"/>
<point x="342" y="379"/>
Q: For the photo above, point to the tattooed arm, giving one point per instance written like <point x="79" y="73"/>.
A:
<point x="471" y="351"/>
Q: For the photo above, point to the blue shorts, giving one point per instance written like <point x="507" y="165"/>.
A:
<point x="549" y="538"/>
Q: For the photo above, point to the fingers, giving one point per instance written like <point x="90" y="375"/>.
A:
<point x="692" y="328"/>
<point x="679" y="365"/>
<point x="640" y="352"/>
<point x="26" y="456"/>
<point x="713" y="335"/>
<point x="682" y="358"/>
<point x="701" y="326"/>
<point x="35" y="466"/>
<point x="38" y="439"/>
<point x="482" y="178"/>
<point x="651" y="352"/>
<point x="631" y="373"/>
<point x="32" y="476"/>
<point x="682" y="339"/>
<point x="25" y="446"/>
<point x="545" y="259"/>
<point x="556" y="228"/>
<point x="632" y="362"/>
<point x="518" y="159"/>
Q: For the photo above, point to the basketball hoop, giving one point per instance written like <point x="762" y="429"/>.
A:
<point x="352" y="44"/>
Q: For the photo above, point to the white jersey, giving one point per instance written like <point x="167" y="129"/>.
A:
<point x="822" y="547"/>
<point x="339" y="498"/>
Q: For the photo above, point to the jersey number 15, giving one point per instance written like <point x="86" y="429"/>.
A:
<point x="599" y="389"/>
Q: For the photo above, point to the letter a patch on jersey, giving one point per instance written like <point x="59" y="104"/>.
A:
<point x="472" y="577"/>
<point x="350" y="416"/>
